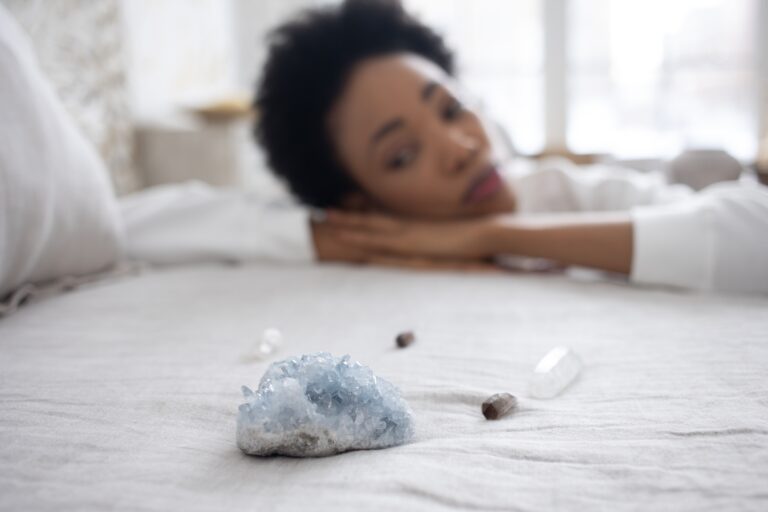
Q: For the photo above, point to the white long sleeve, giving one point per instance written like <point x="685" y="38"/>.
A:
<point x="717" y="240"/>
<point x="193" y="222"/>
<point x="714" y="240"/>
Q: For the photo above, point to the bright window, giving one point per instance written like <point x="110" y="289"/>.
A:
<point x="642" y="79"/>
<point x="633" y="78"/>
<point x="650" y="78"/>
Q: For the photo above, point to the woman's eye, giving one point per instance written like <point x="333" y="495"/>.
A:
<point x="453" y="110"/>
<point x="402" y="158"/>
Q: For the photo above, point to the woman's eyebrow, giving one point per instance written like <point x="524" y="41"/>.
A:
<point x="386" y="128"/>
<point x="428" y="90"/>
<point x="395" y="124"/>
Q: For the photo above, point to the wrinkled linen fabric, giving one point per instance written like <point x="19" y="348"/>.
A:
<point x="123" y="395"/>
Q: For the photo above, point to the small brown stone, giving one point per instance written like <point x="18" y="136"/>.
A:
<point x="405" y="338"/>
<point x="498" y="406"/>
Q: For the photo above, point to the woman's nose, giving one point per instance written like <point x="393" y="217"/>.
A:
<point x="461" y="149"/>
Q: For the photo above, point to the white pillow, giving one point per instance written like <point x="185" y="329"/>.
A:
<point x="58" y="213"/>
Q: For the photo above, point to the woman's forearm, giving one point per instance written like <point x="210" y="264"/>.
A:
<point x="598" y="240"/>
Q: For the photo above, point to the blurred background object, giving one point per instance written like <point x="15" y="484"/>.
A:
<point x="699" y="168"/>
<point x="163" y="86"/>
<point x="80" y="46"/>
<point x="761" y="166"/>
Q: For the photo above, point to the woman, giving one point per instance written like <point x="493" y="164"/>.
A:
<point x="360" y="115"/>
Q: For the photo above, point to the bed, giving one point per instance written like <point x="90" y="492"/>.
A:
<point x="123" y="394"/>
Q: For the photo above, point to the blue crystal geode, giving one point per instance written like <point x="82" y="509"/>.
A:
<point x="317" y="405"/>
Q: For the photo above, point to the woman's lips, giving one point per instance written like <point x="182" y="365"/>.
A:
<point x="484" y="186"/>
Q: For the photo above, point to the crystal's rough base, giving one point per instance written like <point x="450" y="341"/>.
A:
<point x="318" y="405"/>
<point x="555" y="372"/>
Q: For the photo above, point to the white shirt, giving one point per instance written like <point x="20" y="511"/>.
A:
<point x="716" y="239"/>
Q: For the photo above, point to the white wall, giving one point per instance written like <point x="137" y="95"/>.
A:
<point x="252" y="21"/>
<point x="178" y="51"/>
<point x="182" y="51"/>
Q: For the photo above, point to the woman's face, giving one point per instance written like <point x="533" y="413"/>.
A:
<point x="410" y="144"/>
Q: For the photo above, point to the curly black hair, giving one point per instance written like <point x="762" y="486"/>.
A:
<point x="309" y="60"/>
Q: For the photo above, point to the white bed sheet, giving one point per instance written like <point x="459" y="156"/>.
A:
<point x="124" y="395"/>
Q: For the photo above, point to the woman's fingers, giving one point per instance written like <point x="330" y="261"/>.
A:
<point x="367" y="221"/>
<point x="455" y="240"/>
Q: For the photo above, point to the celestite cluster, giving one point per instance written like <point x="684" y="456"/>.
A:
<point x="317" y="405"/>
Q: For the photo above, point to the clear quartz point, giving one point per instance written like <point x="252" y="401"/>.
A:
<point x="555" y="372"/>
<point x="272" y="337"/>
<point x="270" y="341"/>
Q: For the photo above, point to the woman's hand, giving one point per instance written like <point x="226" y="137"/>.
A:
<point x="335" y="239"/>
<point x="379" y="235"/>
<point x="602" y="240"/>
<point x="328" y="246"/>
